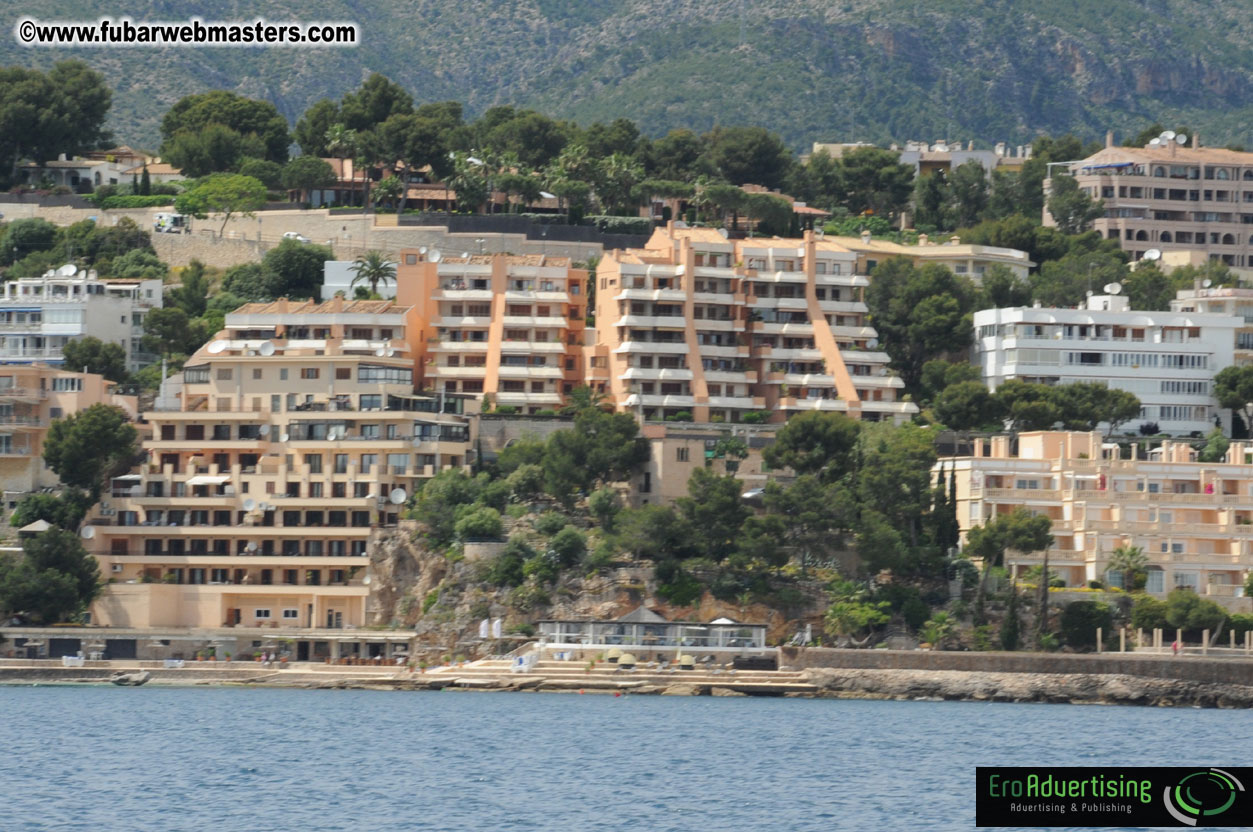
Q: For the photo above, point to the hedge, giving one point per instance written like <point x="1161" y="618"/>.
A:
<point x="135" y="201"/>
<point x="620" y="225"/>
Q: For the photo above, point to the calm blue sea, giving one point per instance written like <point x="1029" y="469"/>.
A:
<point x="110" y="759"/>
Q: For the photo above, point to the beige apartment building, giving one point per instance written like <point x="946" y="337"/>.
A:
<point x="1171" y="197"/>
<point x="503" y="328"/>
<point x="295" y="434"/>
<point x="1194" y="520"/>
<point x="31" y="396"/>
<point x="700" y="325"/>
<point x="966" y="259"/>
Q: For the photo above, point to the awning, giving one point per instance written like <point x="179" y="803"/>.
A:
<point x="207" y="479"/>
<point x="128" y="478"/>
<point x="1109" y="165"/>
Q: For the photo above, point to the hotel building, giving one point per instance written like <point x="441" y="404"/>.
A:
<point x="38" y="315"/>
<point x="507" y="329"/>
<point x="1193" y="520"/>
<point x="31" y="396"/>
<point x="1167" y="359"/>
<point x="695" y="323"/>
<point x="965" y="259"/>
<point x="295" y="434"/>
<point x="1167" y="196"/>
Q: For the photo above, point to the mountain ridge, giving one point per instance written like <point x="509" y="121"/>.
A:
<point x="811" y="70"/>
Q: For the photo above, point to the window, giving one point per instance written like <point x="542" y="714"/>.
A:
<point x="375" y="374"/>
<point x="69" y="385"/>
<point x="282" y="374"/>
<point x="339" y="489"/>
<point x="371" y="401"/>
<point x="343" y="373"/>
<point x="290" y="614"/>
<point x="646" y="483"/>
<point x="368" y="461"/>
<point x="261" y="613"/>
<point x="223" y="374"/>
<point x="309" y="373"/>
<point x="314" y="461"/>
<point x="680" y="454"/>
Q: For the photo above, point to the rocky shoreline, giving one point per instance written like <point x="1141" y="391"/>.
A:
<point x="813" y="683"/>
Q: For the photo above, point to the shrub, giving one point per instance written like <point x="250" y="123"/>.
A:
<point x="1148" y="613"/>
<point x="527" y="482"/>
<point x="754" y="418"/>
<point x="528" y="597"/>
<point x="567" y="546"/>
<point x="1080" y="621"/>
<point x="550" y="522"/>
<point x="681" y="416"/>
<point x="599" y="558"/>
<point x="505" y="410"/>
<point x="506" y="567"/>
<point x="543" y="568"/>
<point x="134" y="201"/>
<point x="431" y="599"/>
<point x="480" y="523"/>
<point x="604" y="506"/>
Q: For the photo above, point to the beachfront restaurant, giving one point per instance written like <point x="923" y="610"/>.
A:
<point x="645" y="630"/>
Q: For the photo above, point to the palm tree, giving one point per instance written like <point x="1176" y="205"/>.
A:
<point x="938" y="629"/>
<point x="1132" y="563"/>
<point x="342" y="143"/>
<point x="374" y="268"/>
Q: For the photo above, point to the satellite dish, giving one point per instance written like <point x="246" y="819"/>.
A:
<point x="465" y="255"/>
<point x="391" y="351"/>
<point x="872" y="343"/>
<point x="381" y="351"/>
<point x="68" y="270"/>
<point x="436" y="255"/>
<point x="1206" y="283"/>
<point x="250" y="504"/>
<point x="1169" y="135"/>
<point x="1181" y="139"/>
<point x="723" y="233"/>
<point x="397" y="496"/>
<point x="252" y="546"/>
<point x="365" y="581"/>
<point x="422" y="250"/>
<point x="1155" y="143"/>
<point x="1088" y="293"/>
<point x="267" y="348"/>
<point x="89" y="532"/>
<point x="371" y="496"/>
<point x="284" y="437"/>
<point x="1153" y="254"/>
<point x="264" y="430"/>
<point x="216" y="347"/>
<point x="1113" y="288"/>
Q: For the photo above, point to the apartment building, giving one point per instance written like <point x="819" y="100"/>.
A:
<point x="39" y="315"/>
<point x="698" y="325"/>
<point x="1225" y="300"/>
<point x="295" y="434"/>
<point x="1167" y="359"/>
<point x="1169" y="196"/>
<point x="1194" y="520"/>
<point x="506" y="329"/>
<point x="31" y="396"/>
<point x="966" y="259"/>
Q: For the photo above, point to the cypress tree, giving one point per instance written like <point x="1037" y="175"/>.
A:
<point x="145" y="183"/>
<point x="134" y="184"/>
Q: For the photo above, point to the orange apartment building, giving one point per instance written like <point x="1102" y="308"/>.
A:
<point x="507" y="329"/>
<point x="31" y="396"/>
<point x="1192" y="519"/>
<point x="296" y="433"/>
<point x="695" y="323"/>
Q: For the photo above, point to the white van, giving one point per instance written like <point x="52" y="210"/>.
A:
<point x="171" y="223"/>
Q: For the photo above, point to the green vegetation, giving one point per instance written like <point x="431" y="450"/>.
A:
<point x="53" y="580"/>
<point x="87" y="447"/>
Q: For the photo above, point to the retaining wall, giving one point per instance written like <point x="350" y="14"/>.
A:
<point x="1190" y="668"/>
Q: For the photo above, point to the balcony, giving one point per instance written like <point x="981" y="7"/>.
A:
<point x="30" y="394"/>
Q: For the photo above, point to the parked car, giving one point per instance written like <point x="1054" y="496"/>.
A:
<point x="295" y="235"/>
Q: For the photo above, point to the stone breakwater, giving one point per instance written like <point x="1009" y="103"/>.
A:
<point x="1077" y="688"/>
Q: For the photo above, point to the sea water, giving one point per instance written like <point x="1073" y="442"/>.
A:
<point x="109" y="759"/>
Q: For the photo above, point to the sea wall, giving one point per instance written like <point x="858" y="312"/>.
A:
<point x="1187" y="668"/>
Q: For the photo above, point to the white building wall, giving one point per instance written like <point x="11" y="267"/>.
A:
<point x="1167" y="359"/>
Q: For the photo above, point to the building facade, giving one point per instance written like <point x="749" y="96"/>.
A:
<point x="1167" y="359"/>
<point x="509" y="330"/>
<point x="31" y="396"/>
<point x="296" y="433"/>
<point x="39" y="315"/>
<point x="1226" y="300"/>
<point x="1168" y="196"/>
<point x="700" y="325"/>
<point x="1192" y="519"/>
<point x="965" y="259"/>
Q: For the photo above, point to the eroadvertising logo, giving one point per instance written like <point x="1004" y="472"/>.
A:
<point x="1113" y="796"/>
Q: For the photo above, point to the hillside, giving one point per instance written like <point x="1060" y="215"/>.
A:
<point x="812" y="69"/>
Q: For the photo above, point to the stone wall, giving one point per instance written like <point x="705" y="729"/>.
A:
<point x="1189" y="668"/>
<point x="495" y="432"/>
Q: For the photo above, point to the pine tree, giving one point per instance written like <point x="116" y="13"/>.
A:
<point x="145" y="182"/>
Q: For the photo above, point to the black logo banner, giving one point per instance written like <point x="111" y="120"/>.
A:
<point x="1200" y="796"/>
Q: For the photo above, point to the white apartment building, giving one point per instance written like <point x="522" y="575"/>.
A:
<point x="39" y="315"/>
<point x="1167" y="359"/>
<point x="1224" y="300"/>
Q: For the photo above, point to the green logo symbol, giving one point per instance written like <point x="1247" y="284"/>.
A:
<point x="1202" y="794"/>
